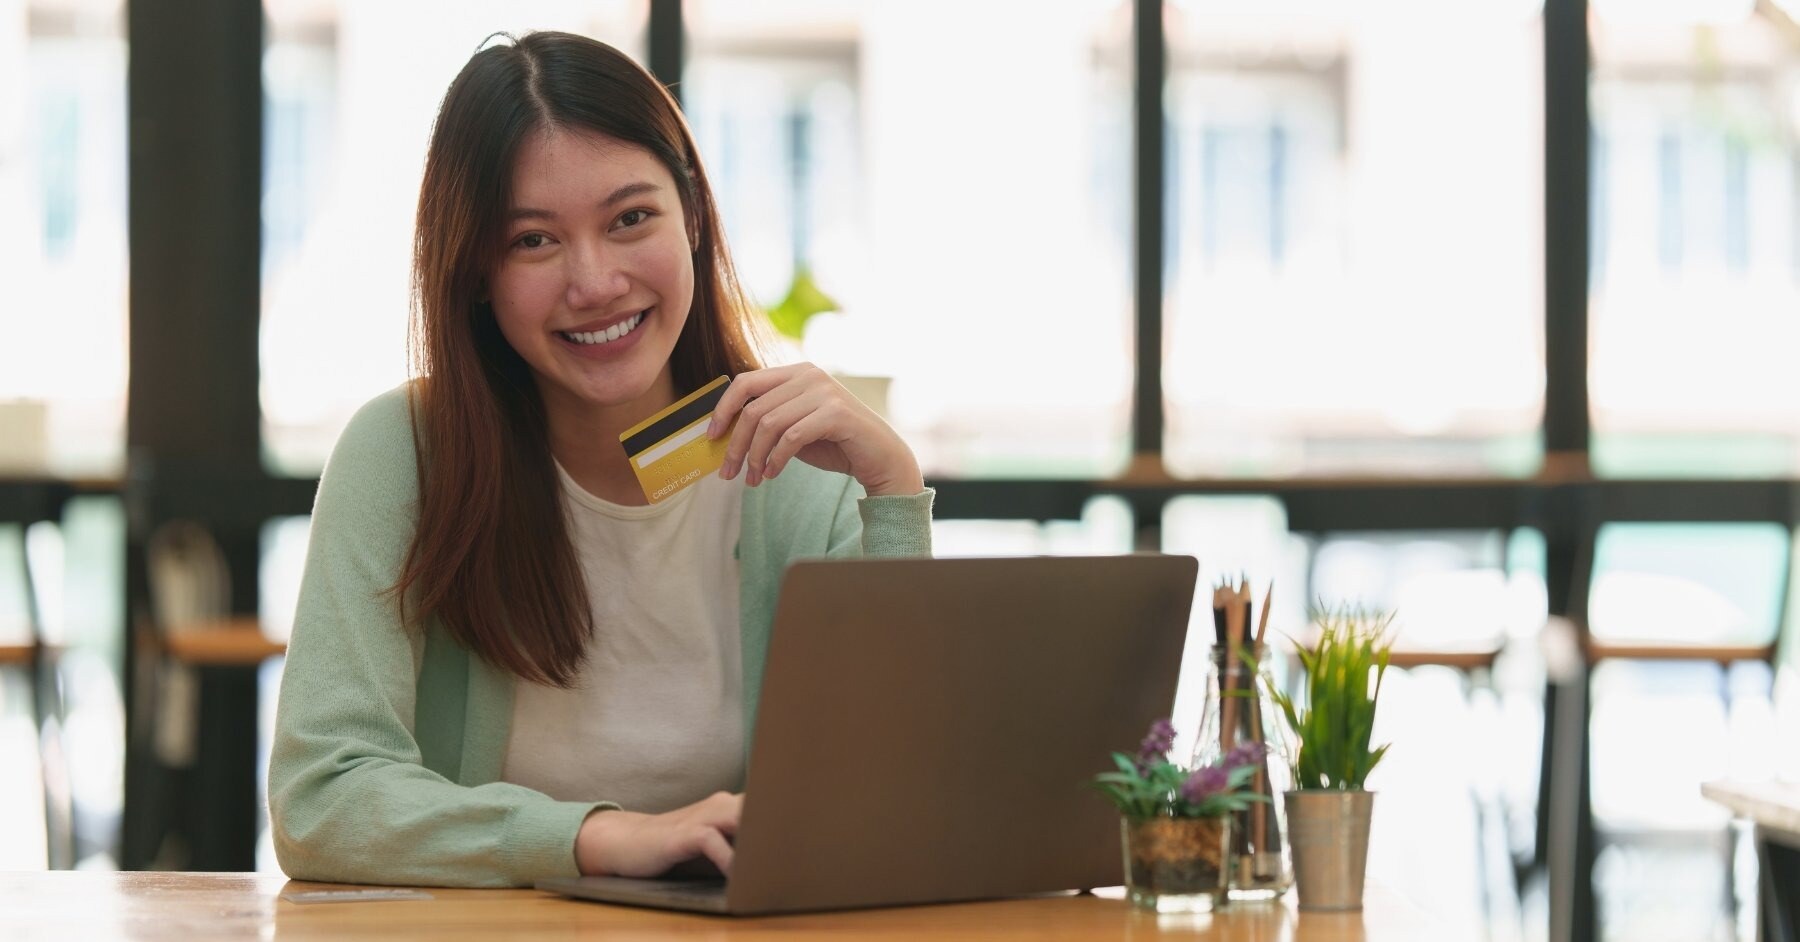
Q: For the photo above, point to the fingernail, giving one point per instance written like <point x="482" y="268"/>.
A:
<point x="712" y="428"/>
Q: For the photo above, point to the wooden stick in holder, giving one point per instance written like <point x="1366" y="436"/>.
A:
<point x="1264" y="825"/>
<point x="1234" y="636"/>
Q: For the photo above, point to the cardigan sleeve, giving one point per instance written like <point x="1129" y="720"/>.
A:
<point x="350" y="798"/>
<point x="881" y="526"/>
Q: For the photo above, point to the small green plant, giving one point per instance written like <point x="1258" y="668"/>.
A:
<point x="803" y="301"/>
<point x="1335" y="726"/>
<point x="1148" y="785"/>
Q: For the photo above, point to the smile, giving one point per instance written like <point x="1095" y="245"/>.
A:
<point x="608" y="335"/>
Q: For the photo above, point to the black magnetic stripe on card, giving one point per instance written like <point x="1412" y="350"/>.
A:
<point x="675" y="421"/>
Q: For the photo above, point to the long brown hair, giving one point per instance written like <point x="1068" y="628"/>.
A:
<point x="491" y="558"/>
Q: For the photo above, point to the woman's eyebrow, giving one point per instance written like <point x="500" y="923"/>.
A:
<point x="619" y="195"/>
<point x="628" y="191"/>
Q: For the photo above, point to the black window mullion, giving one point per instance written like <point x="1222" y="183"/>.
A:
<point x="193" y="406"/>
<point x="1567" y="131"/>
<point x="664" y="43"/>
<point x="1149" y="67"/>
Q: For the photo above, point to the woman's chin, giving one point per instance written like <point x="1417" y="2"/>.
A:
<point x="616" y="392"/>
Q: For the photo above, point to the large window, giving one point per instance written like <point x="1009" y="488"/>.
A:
<point x="62" y="237"/>
<point x="1354" y="238"/>
<point x="962" y="198"/>
<point x="1696" y="239"/>
<point x="351" y="88"/>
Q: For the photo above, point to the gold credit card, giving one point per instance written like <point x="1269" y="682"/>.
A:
<point x="670" y="450"/>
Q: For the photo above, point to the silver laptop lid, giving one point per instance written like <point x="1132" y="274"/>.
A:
<point x="927" y="727"/>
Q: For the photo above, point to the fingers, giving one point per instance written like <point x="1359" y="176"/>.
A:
<point x="717" y="820"/>
<point x="807" y="429"/>
<point x="745" y="387"/>
<point x="800" y="411"/>
<point x="630" y="844"/>
<point x="750" y="423"/>
<point x="717" y="849"/>
<point x="727" y="809"/>
<point x="776" y="426"/>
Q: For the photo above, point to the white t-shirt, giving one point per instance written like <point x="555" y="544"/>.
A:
<point x="655" y="719"/>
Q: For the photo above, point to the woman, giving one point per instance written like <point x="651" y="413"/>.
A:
<point x="507" y="664"/>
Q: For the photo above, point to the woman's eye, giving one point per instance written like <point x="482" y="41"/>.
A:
<point x="635" y="217"/>
<point x="531" y="240"/>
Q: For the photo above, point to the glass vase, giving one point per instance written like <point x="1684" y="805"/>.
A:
<point x="1238" y="710"/>
<point x="1175" y="865"/>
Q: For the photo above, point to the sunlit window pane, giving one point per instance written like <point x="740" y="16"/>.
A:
<point x="1103" y="530"/>
<point x="62" y="236"/>
<point x="1355" y="237"/>
<point x="1713" y="583"/>
<point x="961" y="196"/>
<point x="345" y="124"/>
<point x="1447" y="590"/>
<point x="283" y="558"/>
<point x="1696" y="242"/>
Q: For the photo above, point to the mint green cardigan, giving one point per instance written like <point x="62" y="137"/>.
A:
<point x="388" y="743"/>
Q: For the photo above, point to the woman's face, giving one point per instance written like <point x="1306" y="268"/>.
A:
<point x="597" y="274"/>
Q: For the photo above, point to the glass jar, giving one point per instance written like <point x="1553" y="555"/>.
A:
<point x="1175" y="865"/>
<point x="1238" y="709"/>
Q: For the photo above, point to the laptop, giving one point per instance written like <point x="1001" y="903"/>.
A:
<point x="928" y="727"/>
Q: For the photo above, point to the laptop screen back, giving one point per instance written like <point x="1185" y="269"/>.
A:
<point x="927" y="728"/>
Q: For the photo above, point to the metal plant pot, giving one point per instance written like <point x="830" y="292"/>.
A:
<point x="1328" y="832"/>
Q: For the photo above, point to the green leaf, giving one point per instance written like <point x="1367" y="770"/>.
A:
<point x="803" y="301"/>
<point x="1335" y="726"/>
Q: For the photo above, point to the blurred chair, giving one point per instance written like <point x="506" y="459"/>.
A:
<point x="37" y="660"/>
<point x="189" y="631"/>
<point x="1596" y="652"/>
<point x="1473" y="663"/>
<point x="1664" y="595"/>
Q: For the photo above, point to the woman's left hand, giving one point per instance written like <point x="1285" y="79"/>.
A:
<point x="799" y="411"/>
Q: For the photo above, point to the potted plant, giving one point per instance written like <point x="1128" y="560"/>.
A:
<point x="1328" y="809"/>
<point x="1175" y="823"/>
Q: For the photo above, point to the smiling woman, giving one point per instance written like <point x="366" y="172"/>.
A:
<point x="532" y="640"/>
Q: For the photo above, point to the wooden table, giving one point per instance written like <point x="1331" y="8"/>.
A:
<point x="227" y="642"/>
<point x="1775" y="809"/>
<point x="197" y="907"/>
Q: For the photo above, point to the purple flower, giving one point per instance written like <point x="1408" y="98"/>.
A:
<point x="1156" y="744"/>
<point x="1247" y="752"/>
<point x="1204" y="783"/>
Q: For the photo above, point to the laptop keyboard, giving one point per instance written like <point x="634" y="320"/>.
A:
<point x="696" y="887"/>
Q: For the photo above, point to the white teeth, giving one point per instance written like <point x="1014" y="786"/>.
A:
<point x="608" y="335"/>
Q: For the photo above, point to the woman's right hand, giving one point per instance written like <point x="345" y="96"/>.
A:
<point x="632" y="844"/>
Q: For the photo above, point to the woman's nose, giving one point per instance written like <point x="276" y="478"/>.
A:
<point x="597" y="277"/>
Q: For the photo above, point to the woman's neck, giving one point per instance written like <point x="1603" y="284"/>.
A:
<point x="584" y="437"/>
